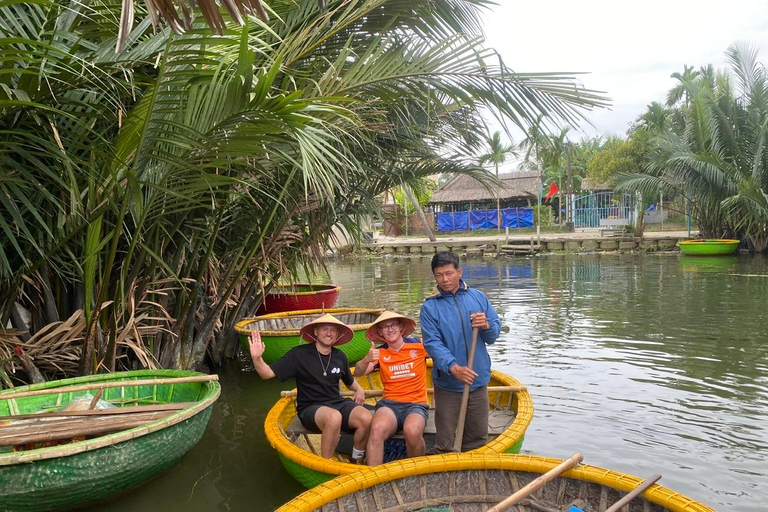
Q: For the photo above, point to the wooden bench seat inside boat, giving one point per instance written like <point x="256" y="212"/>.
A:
<point x="498" y="421"/>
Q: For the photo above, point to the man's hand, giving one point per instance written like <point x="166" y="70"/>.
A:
<point x="373" y="354"/>
<point x="359" y="397"/>
<point x="256" y="345"/>
<point x="480" y="321"/>
<point x="464" y="373"/>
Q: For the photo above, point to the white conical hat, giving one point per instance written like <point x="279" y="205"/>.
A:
<point x="307" y="332"/>
<point x="373" y="331"/>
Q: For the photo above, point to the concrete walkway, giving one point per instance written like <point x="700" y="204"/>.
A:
<point x="526" y="237"/>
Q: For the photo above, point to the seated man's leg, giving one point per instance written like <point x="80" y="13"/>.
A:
<point x="328" y="421"/>
<point x="413" y="431"/>
<point x="383" y="426"/>
<point x="357" y="418"/>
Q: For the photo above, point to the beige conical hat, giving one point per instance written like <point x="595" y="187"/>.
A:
<point x="373" y="331"/>
<point x="307" y="332"/>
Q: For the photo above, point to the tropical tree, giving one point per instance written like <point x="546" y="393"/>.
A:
<point x="152" y="196"/>
<point x="497" y="154"/>
<point x="719" y="163"/>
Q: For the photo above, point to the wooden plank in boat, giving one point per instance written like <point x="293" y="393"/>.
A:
<point x="498" y="422"/>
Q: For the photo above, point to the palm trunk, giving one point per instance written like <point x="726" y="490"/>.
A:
<point x="419" y="212"/>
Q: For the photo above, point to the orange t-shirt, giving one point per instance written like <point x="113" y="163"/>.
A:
<point x="404" y="371"/>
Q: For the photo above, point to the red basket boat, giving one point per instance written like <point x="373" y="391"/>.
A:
<point x="298" y="297"/>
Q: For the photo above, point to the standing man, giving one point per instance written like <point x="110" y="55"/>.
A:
<point x="318" y="368"/>
<point x="402" y="366"/>
<point x="447" y="320"/>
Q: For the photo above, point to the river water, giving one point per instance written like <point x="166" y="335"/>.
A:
<point x="644" y="363"/>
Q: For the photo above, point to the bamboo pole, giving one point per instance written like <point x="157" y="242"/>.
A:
<point x="633" y="493"/>
<point x="175" y="406"/>
<point x="567" y="464"/>
<point x="459" y="437"/>
<point x="119" y="384"/>
<point x="379" y="392"/>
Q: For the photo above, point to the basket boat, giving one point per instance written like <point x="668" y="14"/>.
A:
<point x="473" y="481"/>
<point x="708" y="246"/>
<point x="280" y="331"/>
<point x="299" y="450"/>
<point x="298" y="297"/>
<point x="83" y="472"/>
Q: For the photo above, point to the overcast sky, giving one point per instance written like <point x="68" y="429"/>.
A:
<point x="629" y="49"/>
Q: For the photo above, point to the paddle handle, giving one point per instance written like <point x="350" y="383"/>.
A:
<point x="457" y="440"/>
<point x="380" y="392"/>
<point x="567" y="464"/>
<point x="633" y="493"/>
<point x="117" y="384"/>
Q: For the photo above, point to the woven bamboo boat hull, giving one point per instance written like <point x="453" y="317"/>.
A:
<point x="708" y="247"/>
<point x="77" y="474"/>
<point x="299" y="453"/>
<point x="299" y="297"/>
<point x="473" y="482"/>
<point x="280" y="331"/>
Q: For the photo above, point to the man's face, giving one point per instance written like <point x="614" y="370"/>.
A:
<point x="327" y="334"/>
<point x="447" y="278"/>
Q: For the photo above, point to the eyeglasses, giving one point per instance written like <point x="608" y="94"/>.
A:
<point x="389" y="327"/>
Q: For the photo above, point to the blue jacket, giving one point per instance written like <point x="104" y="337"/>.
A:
<point x="447" y="335"/>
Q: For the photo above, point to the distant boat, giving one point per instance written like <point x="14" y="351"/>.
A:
<point x="73" y="458"/>
<point x="708" y="246"/>
<point x="475" y="481"/>
<point x="511" y="411"/>
<point x="299" y="296"/>
<point x="280" y="331"/>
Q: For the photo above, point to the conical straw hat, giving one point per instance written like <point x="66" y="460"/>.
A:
<point x="307" y="332"/>
<point x="373" y="331"/>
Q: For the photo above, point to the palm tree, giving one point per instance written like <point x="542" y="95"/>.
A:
<point x="151" y="197"/>
<point x="719" y="163"/>
<point x="497" y="154"/>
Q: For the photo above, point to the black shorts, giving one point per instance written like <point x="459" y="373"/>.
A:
<point x="343" y="405"/>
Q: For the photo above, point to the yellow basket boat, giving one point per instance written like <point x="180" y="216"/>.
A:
<point x="463" y="482"/>
<point x="299" y="450"/>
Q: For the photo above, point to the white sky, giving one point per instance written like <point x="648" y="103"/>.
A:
<point x="629" y="49"/>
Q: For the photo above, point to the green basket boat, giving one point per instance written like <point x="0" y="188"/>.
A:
<point x="708" y="246"/>
<point x="280" y="331"/>
<point x="87" y="469"/>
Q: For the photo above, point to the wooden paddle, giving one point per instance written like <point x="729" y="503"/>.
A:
<point x="567" y="464"/>
<point x="115" y="384"/>
<point x="465" y="395"/>
<point x="379" y="392"/>
<point x="645" y="484"/>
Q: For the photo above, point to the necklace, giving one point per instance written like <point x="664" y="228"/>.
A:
<point x="324" y="366"/>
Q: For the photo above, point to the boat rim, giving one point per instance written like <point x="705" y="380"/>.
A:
<point x="500" y="443"/>
<point x="368" y="476"/>
<point x="241" y="326"/>
<point x="329" y="288"/>
<point x="721" y="241"/>
<point x="54" y="452"/>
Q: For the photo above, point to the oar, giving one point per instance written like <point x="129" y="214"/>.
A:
<point x="117" y="384"/>
<point x="633" y="493"/>
<point x="465" y="395"/>
<point x="380" y="392"/>
<point x="567" y="464"/>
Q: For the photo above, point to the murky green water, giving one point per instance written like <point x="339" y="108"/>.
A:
<point x="645" y="364"/>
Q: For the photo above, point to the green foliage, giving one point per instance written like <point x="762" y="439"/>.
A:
<point x="617" y="156"/>
<point x="168" y="186"/>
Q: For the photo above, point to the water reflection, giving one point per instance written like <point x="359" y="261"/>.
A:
<point x="645" y="364"/>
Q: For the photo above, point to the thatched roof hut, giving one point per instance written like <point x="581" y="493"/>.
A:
<point x="518" y="188"/>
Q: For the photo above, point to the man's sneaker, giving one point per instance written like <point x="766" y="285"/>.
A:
<point x="358" y="460"/>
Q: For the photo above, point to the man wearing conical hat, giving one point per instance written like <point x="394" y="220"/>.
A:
<point x="402" y="366"/>
<point x="318" y="367"/>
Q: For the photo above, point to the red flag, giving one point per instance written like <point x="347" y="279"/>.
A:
<point x="552" y="191"/>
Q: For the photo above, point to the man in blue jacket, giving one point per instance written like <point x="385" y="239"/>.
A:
<point x="447" y="319"/>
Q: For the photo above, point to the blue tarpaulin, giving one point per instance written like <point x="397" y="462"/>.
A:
<point x="485" y="219"/>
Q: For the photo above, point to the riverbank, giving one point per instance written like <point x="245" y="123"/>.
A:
<point x="493" y="246"/>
